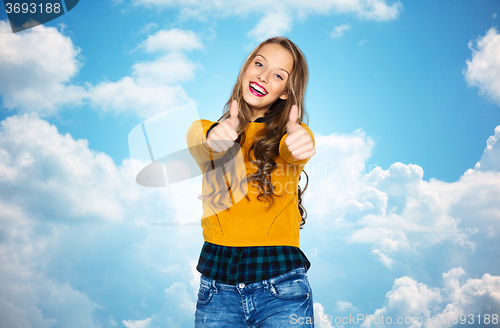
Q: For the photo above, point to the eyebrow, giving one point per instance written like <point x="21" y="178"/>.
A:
<point x="278" y="67"/>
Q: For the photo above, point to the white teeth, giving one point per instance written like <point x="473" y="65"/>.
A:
<point x="257" y="88"/>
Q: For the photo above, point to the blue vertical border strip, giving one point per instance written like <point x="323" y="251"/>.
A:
<point x="147" y="141"/>
<point x="64" y="6"/>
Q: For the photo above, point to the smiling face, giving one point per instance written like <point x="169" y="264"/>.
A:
<point x="266" y="77"/>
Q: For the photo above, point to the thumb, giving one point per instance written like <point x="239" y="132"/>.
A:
<point x="233" y="115"/>
<point x="292" y="120"/>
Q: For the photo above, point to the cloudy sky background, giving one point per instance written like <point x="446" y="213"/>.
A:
<point x="403" y="197"/>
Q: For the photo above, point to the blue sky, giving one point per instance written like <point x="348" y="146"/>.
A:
<point x="403" y="100"/>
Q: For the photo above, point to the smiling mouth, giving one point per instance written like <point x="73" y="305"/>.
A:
<point x="257" y="90"/>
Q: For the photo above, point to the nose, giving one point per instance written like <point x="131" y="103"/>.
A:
<point x="263" y="77"/>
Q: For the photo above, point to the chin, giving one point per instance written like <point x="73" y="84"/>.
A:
<point x="251" y="103"/>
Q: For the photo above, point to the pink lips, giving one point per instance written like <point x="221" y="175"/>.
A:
<point x="255" y="93"/>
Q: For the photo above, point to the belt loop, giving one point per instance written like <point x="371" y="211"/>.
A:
<point x="266" y="286"/>
<point x="214" y="286"/>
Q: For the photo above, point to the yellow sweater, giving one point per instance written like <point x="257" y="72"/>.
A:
<point x="248" y="222"/>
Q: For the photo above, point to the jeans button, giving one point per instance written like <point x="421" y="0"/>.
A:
<point x="242" y="285"/>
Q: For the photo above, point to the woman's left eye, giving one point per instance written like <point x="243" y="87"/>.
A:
<point x="279" y="77"/>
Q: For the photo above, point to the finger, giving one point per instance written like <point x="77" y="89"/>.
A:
<point x="233" y="115"/>
<point x="300" y="134"/>
<point x="224" y="135"/>
<point x="212" y="140"/>
<point x="292" y="119"/>
<point x="221" y="145"/>
<point x="217" y="146"/>
<point x="302" y="150"/>
<point x="298" y="140"/>
<point x="228" y="132"/>
<point x="226" y="144"/>
<point x="223" y="131"/>
<point x="305" y="155"/>
<point x="212" y="145"/>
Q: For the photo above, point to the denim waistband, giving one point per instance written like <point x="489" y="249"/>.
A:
<point x="255" y="285"/>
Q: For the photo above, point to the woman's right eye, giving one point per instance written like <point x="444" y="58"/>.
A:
<point x="258" y="64"/>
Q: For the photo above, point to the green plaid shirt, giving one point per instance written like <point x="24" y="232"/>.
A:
<point x="233" y="265"/>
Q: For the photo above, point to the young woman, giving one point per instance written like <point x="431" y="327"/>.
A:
<point x="253" y="271"/>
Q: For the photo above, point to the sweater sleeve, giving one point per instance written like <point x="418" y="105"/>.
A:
<point x="287" y="155"/>
<point x="197" y="142"/>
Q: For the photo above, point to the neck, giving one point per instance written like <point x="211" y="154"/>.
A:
<point x="257" y="113"/>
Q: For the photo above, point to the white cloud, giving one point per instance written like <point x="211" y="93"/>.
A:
<point x="344" y="306"/>
<point x="64" y="208"/>
<point x="272" y="24"/>
<point x="148" y="27"/>
<point x="38" y="79"/>
<point x="338" y="31"/>
<point x="195" y="278"/>
<point x="413" y="214"/>
<point x="154" y="85"/>
<point x="74" y="228"/>
<point x="396" y="211"/>
<point x="367" y="9"/>
<point x="36" y="66"/>
<point x="130" y="96"/>
<point x="177" y="312"/>
<point x="275" y="20"/>
<point x="28" y="297"/>
<point x="384" y="258"/>
<point x="169" y="69"/>
<point x="323" y="320"/>
<point x="474" y="201"/>
<point x="335" y="171"/>
<point x="137" y="323"/>
<point x="173" y="40"/>
<point x="378" y="10"/>
<point x="407" y="299"/>
<point x="422" y="306"/>
<point x="477" y="296"/>
<point x="490" y="161"/>
<point x="483" y="70"/>
<point x="41" y="165"/>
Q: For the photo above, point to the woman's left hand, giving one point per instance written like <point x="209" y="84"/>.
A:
<point x="298" y="140"/>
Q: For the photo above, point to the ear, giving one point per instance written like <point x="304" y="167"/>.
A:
<point x="284" y="96"/>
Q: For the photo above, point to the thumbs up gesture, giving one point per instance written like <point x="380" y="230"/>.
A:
<point x="222" y="136"/>
<point x="298" y="140"/>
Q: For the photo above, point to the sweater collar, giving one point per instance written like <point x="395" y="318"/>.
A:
<point x="259" y="120"/>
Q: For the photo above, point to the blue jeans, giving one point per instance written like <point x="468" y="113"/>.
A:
<point x="282" y="301"/>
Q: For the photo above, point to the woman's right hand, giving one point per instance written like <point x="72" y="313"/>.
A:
<point x="223" y="135"/>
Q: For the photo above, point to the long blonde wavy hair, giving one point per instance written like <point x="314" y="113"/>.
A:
<point x="266" y="144"/>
